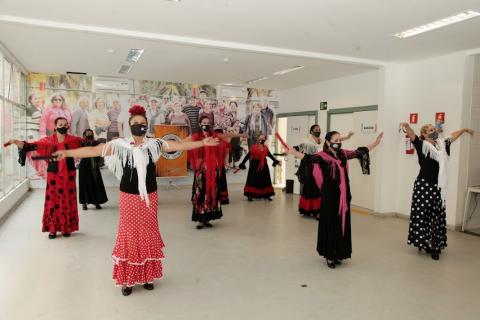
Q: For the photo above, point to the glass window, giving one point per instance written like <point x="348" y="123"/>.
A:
<point x="9" y="153"/>
<point x="2" y="150"/>
<point x="7" y="73"/>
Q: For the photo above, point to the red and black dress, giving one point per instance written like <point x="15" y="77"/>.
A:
<point x="327" y="191"/>
<point x="207" y="163"/>
<point x="60" y="213"/>
<point x="138" y="251"/>
<point x="259" y="183"/>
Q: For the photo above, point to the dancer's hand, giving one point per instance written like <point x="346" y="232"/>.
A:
<point x="18" y="143"/>
<point x="469" y="131"/>
<point x="379" y="138"/>
<point x="210" y="142"/>
<point x="60" y="155"/>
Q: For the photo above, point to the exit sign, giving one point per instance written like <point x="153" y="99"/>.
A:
<point x="323" y="105"/>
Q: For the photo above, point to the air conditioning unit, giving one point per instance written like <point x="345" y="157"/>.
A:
<point x="233" y="92"/>
<point x="103" y="84"/>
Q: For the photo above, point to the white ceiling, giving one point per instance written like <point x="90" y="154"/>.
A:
<point x="339" y="37"/>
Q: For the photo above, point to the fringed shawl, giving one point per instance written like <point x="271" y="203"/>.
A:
<point x="124" y="152"/>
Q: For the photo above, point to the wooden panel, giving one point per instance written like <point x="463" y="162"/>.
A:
<point x="173" y="164"/>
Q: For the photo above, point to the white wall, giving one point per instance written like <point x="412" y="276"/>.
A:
<point x="354" y="91"/>
<point x="435" y="85"/>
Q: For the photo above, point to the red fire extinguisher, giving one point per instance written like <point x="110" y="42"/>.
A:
<point x="409" y="149"/>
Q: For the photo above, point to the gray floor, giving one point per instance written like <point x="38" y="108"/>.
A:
<point x="258" y="262"/>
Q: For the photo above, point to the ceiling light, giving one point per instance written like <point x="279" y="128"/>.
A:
<point x="278" y="73"/>
<point x="173" y="0"/>
<point x="125" y="69"/>
<point x="256" y="80"/>
<point x="134" y="55"/>
<point x="469" y="14"/>
<point x="226" y="60"/>
<point x="112" y="51"/>
<point x="228" y="84"/>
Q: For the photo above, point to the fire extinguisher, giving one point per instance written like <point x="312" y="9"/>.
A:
<point x="409" y="149"/>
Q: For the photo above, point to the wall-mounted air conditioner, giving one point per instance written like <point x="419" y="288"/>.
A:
<point x="102" y="84"/>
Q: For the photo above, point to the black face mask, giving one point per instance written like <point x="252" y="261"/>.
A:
<point x="62" y="130"/>
<point x="316" y="133"/>
<point x="138" y="130"/>
<point x="336" y="146"/>
<point x="433" y="135"/>
<point x="89" y="137"/>
<point x="205" y="127"/>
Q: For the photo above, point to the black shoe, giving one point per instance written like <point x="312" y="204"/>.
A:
<point x="148" y="286"/>
<point x="338" y="262"/>
<point x="66" y="235"/>
<point x="84" y="206"/>
<point x="52" y="235"/>
<point x="250" y="199"/>
<point x="97" y="206"/>
<point x="199" y="226"/>
<point x="436" y="255"/>
<point x="331" y="264"/>
<point x="269" y="199"/>
<point x="207" y="224"/>
<point x="126" y="291"/>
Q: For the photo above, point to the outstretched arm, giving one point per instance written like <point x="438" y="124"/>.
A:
<point x="348" y="136"/>
<point x="376" y="142"/>
<point x="85" y="152"/>
<point x="16" y="142"/>
<point x="294" y="152"/>
<point x="408" y="130"/>
<point x="455" y="135"/>
<point x="188" y="145"/>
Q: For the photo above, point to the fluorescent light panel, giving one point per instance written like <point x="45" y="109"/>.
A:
<point x="285" y="71"/>
<point x="469" y="14"/>
<point x="256" y="80"/>
<point x="125" y="69"/>
<point x="134" y="55"/>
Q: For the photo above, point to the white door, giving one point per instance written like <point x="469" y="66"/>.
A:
<point x="298" y="129"/>
<point x="361" y="186"/>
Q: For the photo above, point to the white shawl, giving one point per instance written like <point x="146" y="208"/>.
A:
<point x="439" y="154"/>
<point x="123" y="152"/>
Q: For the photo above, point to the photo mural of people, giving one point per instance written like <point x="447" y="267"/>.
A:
<point x="106" y="113"/>
<point x="98" y="119"/>
<point x="35" y="108"/>
<point x="80" y="117"/>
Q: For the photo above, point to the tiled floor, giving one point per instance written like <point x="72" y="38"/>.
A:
<point x="258" y="262"/>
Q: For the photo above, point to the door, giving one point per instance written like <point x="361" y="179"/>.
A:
<point x="361" y="123"/>
<point x="297" y="130"/>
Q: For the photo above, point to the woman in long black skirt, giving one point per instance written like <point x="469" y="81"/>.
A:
<point x="259" y="183"/>
<point x="329" y="171"/>
<point x="90" y="182"/>
<point x="428" y="217"/>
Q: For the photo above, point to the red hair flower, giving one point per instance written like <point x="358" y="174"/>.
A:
<point x="137" y="110"/>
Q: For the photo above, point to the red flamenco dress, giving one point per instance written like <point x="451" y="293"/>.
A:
<point x="259" y="183"/>
<point x="138" y="251"/>
<point x="207" y="163"/>
<point x="60" y="213"/>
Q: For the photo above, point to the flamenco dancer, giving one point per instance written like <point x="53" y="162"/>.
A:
<point x="326" y="175"/>
<point x="60" y="213"/>
<point x="225" y="149"/>
<point x="259" y="183"/>
<point x="207" y="163"/>
<point x="139" y="246"/>
<point x="428" y="218"/>
<point x="90" y="183"/>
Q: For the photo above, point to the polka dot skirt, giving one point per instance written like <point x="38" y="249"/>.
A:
<point x="60" y="213"/>
<point x="428" y="218"/>
<point x="138" y="252"/>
